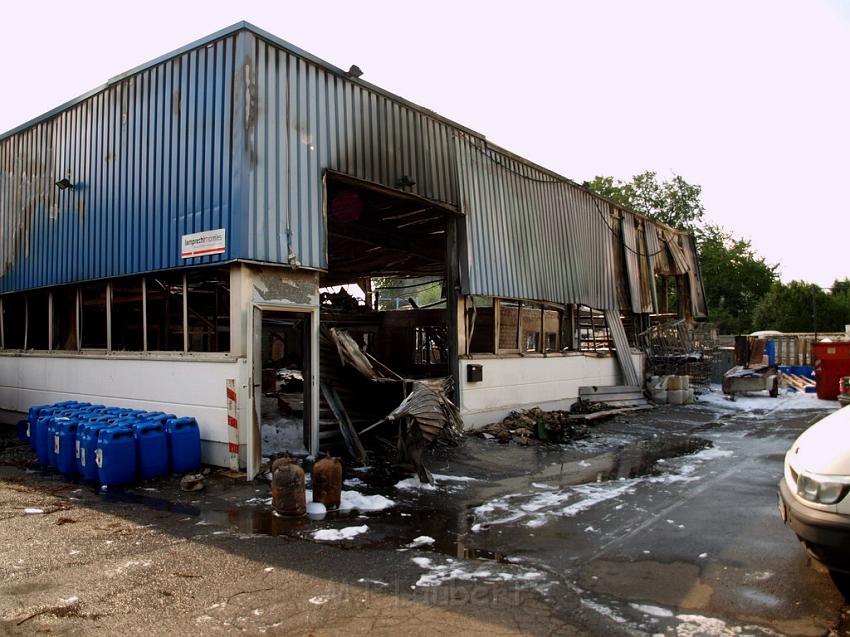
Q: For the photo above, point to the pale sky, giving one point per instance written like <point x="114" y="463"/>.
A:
<point x="748" y="98"/>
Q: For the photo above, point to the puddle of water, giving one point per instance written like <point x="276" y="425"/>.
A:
<point x="445" y="514"/>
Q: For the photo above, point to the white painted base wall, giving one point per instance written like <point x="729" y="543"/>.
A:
<point x="183" y="387"/>
<point x="525" y="382"/>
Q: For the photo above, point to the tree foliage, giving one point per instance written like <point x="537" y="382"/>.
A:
<point x="735" y="276"/>
<point x="804" y="307"/>
<point x="675" y="202"/>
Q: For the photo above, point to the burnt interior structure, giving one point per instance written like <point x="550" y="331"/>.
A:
<point x="387" y="249"/>
<point x="391" y="246"/>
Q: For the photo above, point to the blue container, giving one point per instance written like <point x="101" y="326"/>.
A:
<point x="50" y="439"/>
<point x="160" y="417"/>
<point x="40" y="440"/>
<point x="65" y="445"/>
<point x="116" y="455"/>
<point x="36" y="412"/>
<point x="151" y="449"/>
<point x="65" y="404"/>
<point x="23" y="430"/>
<point x="184" y="444"/>
<point x="87" y="434"/>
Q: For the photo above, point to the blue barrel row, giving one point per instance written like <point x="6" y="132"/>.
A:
<point x="111" y="445"/>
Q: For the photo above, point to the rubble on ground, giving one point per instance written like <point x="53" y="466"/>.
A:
<point x="533" y="426"/>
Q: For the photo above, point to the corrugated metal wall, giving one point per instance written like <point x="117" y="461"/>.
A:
<point x="151" y="158"/>
<point x="530" y="235"/>
<point x="310" y="119"/>
<point x="632" y="262"/>
<point x="237" y="131"/>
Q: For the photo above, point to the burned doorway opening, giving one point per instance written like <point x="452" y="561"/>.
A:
<point x="387" y="308"/>
<point x="284" y="400"/>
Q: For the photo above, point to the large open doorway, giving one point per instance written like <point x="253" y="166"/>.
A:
<point x="389" y="296"/>
<point x="282" y="361"/>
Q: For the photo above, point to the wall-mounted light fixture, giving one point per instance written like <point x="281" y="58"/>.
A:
<point x="405" y="182"/>
<point x="64" y="184"/>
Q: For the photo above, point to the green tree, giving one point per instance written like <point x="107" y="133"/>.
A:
<point x="735" y="278"/>
<point x="674" y="202"/>
<point x="803" y="307"/>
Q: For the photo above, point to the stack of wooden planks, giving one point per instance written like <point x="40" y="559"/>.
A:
<point x="800" y="383"/>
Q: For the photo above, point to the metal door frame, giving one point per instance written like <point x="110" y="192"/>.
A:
<point x="253" y="455"/>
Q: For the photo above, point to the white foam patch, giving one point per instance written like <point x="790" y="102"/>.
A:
<point x="414" y="484"/>
<point x="350" y="500"/>
<point x="337" y="535"/>
<point x="604" y="610"/>
<point x="377" y="582"/>
<point x="700" y="626"/>
<point x="455" y="483"/>
<point x="422" y="540"/>
<point x="535" y="508"/>
<point x="791" y="401"/>
<point x="439" y="573"/>
<point x="318" y="600"/>
<point x="654" y="611"/>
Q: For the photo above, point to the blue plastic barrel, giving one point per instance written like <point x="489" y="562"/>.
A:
<point x="87" y="434"/>
<point x="65" y="404"/>
<point x="50" y="441"/>
<point x="184" y="444"/>
<point x="160" y="417"/>
<point x="40" y="439"/>
<point x="65" y="445"/>
<point x="36" y="412"/>
<point x="151" y="449"/>
<point x="116" y="456"/>
<point x="22" y="429"/>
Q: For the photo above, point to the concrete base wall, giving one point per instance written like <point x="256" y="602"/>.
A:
<point x="524" y="382"/>
<point x="183" y="387"/>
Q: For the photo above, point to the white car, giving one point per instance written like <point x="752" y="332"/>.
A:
<point x="813" y="494"/>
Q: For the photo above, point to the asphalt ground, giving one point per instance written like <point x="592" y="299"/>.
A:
<point x="661" y="522"/>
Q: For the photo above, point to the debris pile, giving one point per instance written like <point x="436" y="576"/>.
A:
<point x="533" y="426"/>
<point x="358" y="389"/>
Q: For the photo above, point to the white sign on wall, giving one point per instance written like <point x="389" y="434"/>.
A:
<point x="203" y="243"/>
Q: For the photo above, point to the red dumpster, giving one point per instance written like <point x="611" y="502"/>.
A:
<point x="832" y="361"/>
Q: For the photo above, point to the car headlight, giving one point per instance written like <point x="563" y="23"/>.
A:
<point x="822" y="489"/>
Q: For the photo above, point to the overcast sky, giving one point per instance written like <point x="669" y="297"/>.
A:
<point x="749" y="99"/>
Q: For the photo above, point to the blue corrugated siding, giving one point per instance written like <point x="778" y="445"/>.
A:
<point x="310" y="119"/>
<point x="152" y="159"/>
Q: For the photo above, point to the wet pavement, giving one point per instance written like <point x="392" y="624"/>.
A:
<point x="658" y="522"/>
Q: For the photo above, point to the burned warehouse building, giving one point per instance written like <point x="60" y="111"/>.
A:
<point x="241" y="232"/>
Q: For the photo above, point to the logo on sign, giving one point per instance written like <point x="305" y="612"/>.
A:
<point x="203" y="243"/>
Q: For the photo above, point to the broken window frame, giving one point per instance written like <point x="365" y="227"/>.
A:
<point x="475" y="329"/>
<point x="600" y="340"/>
<point x="497" y="320"/>
<point x="38" y="317"/>
<point x="74" y="314"/>
<point x="7" y="308"/>
<point x="25" y="297"/>
<point x="541" y="348"/>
